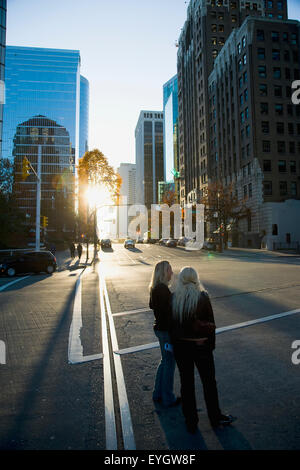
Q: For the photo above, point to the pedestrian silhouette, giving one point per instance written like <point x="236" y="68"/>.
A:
<point x="79" y="250"/>
<point x="192" y="333"/>
<point x="160" y="303"/>
<point x="72" y="250"/>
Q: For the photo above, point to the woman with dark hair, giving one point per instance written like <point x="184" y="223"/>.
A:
<point x="160" y="303"/>
<point x="192" y="333"/>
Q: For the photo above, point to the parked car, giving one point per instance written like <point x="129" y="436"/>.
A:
<point x="105" y="243"/>
<point x="163" y="241"/>
<point x="171" y="243"/>
<point x="129" y="243"/>
<point x="33" y="262"/>
<point x="209" y="245"/>
<point x="183" y="241"/>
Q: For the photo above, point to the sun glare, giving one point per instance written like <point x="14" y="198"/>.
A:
<point x="98" y="196"/>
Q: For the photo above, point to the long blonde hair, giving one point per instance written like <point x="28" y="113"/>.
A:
<point x="187" y="293"/>
<point x="160" y="274"/>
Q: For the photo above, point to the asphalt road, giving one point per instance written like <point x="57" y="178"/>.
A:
<point x="81" y="354"/>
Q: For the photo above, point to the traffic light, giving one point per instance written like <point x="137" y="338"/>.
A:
<point x="45" y="221"/>
<point x="25" y="168"/>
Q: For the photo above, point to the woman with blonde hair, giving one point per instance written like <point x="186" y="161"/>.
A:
<point x="192" y="333"/>
<point x="160" y="303"/>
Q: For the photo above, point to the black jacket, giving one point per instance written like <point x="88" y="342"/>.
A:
<point x="160" y="303"/>
<point x="196" y="325"/>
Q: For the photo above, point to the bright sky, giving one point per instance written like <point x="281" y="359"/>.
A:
<point x="127" y="50"/>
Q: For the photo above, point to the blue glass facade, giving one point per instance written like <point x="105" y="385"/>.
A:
<point x="41" y="82"/>
<point x="2" y="61"/>
<point x="47" y="105"/>
<point x="84" y="116"/>
<point x="170" y="103"/>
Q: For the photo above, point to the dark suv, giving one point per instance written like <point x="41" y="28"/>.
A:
<point x="34" y="262"/>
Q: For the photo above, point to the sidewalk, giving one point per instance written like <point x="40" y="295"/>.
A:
<point x="252" y="252"/>
<point x="65" y="262"/>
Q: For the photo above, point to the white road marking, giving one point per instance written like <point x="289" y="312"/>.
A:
<point x="223" y="329"/>
<point x="110" y="421"/>
<point x="127" y="429"/>
<point x="13" y="282"/>
<point x="130" y="312"/>
<point x="75" y="349"/>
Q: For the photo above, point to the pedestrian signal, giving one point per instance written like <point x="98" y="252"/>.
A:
<point x="25" y="168"/>
<point x="45" y="221"/>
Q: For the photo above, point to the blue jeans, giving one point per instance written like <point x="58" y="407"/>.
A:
<point x="164" y="381"/>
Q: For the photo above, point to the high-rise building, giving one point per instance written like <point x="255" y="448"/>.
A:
<point x="2" y="62"/>
<point x="170" y="109"/>
<point x="255" y="128"/>
<point x="209" y="24"/>
<point x="237" y="124"/>
<point x="47" y="105"/>
<point x="84" y="117"/>
<point x="149" y="156"/>
<point x="127" y="171"/>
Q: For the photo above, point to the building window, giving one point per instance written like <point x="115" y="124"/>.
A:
<point x="262" y="71"/>
<point x="294" y="39"/>
<point x="214" y="28"/>
<point x="282" y="166"/>
<point x="292" y="147"/>
<point x="280" y="127"/>
<point x="275" y="54"/>
<point x="264" y="108"/>
<point x="260" y="35"/>
<point x="274" y="229"/>
<point x="294" y="188"/>
<point x="291" y="128"/>
<point x="293" y="166"/>
<point x="282" y="188"/>
<point x="267" y="165"/>
<point x="266" y="146"/>
<point x="281" y="147"/>
<point x="279" y="109"/>
<point x="267" y="188"/>
<point x="263" y="89"/>
<point x="265" y="127"/>
<point x="261" y="53"/>
<point x="277" y="73"/>
<point x="245" y="59"/>
<point x="278" y="90"/>
<point x="275" y="36"/>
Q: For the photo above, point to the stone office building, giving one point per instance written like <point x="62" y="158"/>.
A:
<point x="254" y="127"/>
<point x="237" y="123"/>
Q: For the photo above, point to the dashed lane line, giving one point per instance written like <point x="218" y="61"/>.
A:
<point x="223" y="329"/>
<point x="127" y="429"/>
<point x="75" y="348"/>
<point x="12" y="283"/>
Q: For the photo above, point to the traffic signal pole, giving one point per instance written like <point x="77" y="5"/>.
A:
<point x="38" y="201"/>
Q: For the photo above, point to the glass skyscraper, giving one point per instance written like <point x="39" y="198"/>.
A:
<point x="84" y="116"/>
<point x="149" y="156"/>
<point x="2" y="61"/>
<point x="170" y="103"/>
<point x="47" y="105"/>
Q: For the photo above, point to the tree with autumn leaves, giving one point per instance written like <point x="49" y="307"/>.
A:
<point x="223" y="209"/>
<point x="94" y="171"/>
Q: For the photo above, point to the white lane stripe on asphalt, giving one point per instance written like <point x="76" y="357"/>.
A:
<point x="13" y="282"/>
<point x="130" y="312"/>
<point x="223" y="329"/>
<point x="110" y="422"/>
<point x="75" y="348"/>
<point x="127" y="429"/>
